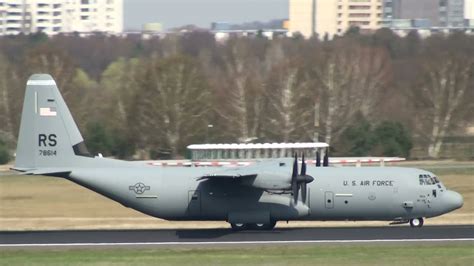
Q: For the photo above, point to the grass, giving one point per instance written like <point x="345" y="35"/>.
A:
<point x="45" y="203"/>
<point x="411" y="254"/>
<point x="453" y="171"/>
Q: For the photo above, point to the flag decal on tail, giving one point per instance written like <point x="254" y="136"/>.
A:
<point x="48" y="111"/>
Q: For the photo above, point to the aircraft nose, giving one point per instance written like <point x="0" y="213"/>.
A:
<point x="454" y="200"/>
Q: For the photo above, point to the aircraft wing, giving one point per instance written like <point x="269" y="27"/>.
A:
<point x="265" y="174"/>
<point x="232" y="174"/>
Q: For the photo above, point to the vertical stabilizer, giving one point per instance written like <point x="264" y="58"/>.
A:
<point x="48" y="137"/>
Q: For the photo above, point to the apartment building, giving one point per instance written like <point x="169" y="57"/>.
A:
<point x="412" y="9"/>
<point x="60" y="16"/>
<point x="330" y="17"/>
<point x="451" y="13"/>
<point x="436" y="13"/>
<point x="302" y="17"/>
<point x="469" y="9"/>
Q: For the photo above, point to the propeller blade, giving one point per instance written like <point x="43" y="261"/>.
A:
<point x="295" y="168"/>
<point x="326" y="158"/>
<point x="303" y="192"/>
<point x="318" y="159"/>
<point x="295" y="193"/>
<point x="294" y="179"/>
<point x="303" y="166"/>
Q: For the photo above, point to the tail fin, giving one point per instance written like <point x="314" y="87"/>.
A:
<point x="48" y="137"/>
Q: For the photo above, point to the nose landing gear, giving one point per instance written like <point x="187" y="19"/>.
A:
<point x="416" y="222"/>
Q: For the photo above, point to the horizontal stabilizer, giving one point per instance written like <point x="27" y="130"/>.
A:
<point x="56" y="172"/>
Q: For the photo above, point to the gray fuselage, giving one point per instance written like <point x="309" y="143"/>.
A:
<point x="337" y="193"/>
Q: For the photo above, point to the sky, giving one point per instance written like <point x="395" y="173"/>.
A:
<point x="173" y="13"/>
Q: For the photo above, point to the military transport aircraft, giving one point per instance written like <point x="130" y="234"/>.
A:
<point x="255" y="196"/>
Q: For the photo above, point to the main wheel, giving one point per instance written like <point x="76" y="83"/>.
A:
<point x="416" y="222"/>
<point x="238" y="226"/>
<point x="268" y="226"/>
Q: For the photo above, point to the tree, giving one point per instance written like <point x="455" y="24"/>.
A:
<point x="173" y="105"/>
<point x="240" y="79"/>
<point x="286" y="89"/>
<point x="446" y="85"/>
<point x="98" y="139"/>
<point x="52" y="60"/>
<point x="349" y="77"/>
<point x="119" y="85"/>
<point x="6" y="108"/>
<point x="118" y="89"/>
<point x="4" y="153"/>
<point x="392" y="139"/>
<point x="357" y="140"/>
<point x="386" y="139"/>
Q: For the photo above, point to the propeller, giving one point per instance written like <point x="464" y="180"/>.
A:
<point x="299" y="182"/>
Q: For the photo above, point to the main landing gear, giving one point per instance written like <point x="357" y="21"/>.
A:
<point x="242" y="226"/>
<point x="416" y="222"/>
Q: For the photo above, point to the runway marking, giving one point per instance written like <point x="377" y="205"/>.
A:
<point x="238" y="242"/>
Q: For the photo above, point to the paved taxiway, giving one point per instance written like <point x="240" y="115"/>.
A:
<point x="226" y="236"/>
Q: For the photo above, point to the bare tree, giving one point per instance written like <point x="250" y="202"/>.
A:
<point x="446" y="86"/>
<point x="173" y="104"/>
<point x="349" y="77"/>
<point x="287" y="116"/>
<point x="242" y="79"/>
<point x="48" y="59"/>
<point x="6" y="117"/>
<point x="119" y="85"/>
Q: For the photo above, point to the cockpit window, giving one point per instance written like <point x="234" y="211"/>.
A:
<point x="427" y="180"/>
<point x="430" y="180"/>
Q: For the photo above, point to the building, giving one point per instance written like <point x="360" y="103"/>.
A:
<point x="469" y="9"/>
<point x="413" y="9"/>
<point x="301" y="17"/>
<point x="428" y="16"/>
<point x="439" y="13"/>
<point x="330" y="17"/>
<point x="451" y="13"/>
<point x="60" y="16"/>
<point x="222" y="31"/>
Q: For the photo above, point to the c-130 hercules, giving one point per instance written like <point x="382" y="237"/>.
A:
<point x="255" y="196"/>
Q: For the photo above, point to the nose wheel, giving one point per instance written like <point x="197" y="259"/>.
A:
<point x="416" y="222"/>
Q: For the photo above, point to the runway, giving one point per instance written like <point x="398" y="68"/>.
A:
<point x="201" y="237"/>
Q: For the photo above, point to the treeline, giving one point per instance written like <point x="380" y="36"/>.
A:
<point x="377" y="94"/>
